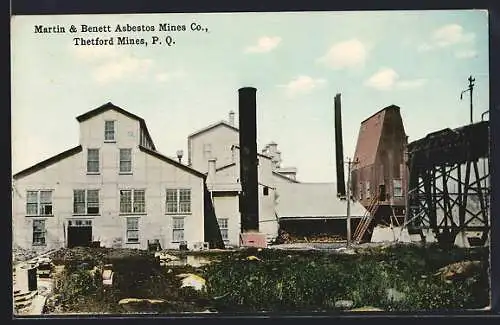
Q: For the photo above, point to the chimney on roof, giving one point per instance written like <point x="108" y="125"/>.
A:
<point x="211" y="170"/>
<point x="272" y="147"/>
<point x="180" y="153"/>
<point x="231" y="118"/>
<point x="276" y="160"/>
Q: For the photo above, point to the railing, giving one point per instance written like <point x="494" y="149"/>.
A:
<point x="366" y="220"/>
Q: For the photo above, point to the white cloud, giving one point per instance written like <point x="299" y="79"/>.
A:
<point x="122" y="68"/>
<point x="411" y="84"/>
<point x="388" y="79"/>
<point x="166" y="76"/>
<point x="346" y="54"/>
<point x="445" y="36"/>
<point x="303" y="85"/>
<point x="451" y="34"/>
<point x="466" y="54"/>
<point x="264" y="44"/>
<point x="384" y="79"/>
<point x="108" y="64"/>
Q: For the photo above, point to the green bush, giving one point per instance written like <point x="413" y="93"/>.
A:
<point x="315" y="281"/>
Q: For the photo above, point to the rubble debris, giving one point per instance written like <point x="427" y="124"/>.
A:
<point x="344" y="304"/>
<point x="107" y="275"/>
<point x="366" y="308"/>
<point x="137" y="304"/>
<point x="459" y="271"/>
<point x="164" y="256"/>
<point x="22" y="255"/>
<point x="192" y="280"/>
<point x="286" y="238"/>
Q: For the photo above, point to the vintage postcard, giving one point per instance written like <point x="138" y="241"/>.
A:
<point x="250" y="162"/>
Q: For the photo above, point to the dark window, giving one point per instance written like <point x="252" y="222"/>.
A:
<point x="38" y="232"/>
<point x="93" y="160"/>
<point x="109" y="130"/>
<point x="86" y="201"/>
<point x="125" y="160"/>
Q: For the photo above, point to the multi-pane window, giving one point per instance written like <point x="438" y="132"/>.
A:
<point x="265" y="191"/>
<point x="172" y="201"/>
<point x="93" y="160"/>
<point x="132" y="230"/>
<point x="178" y="201"/>
<point x="139" y="201"/>
<point x="397" y="188"/>
<point x="86" y="201"/>
<point x="177" y="229"/>
<point x="109" y="130"/>
<point x="132" y="201"/>
<point x="184" y="201"/>
<point x="39" y="203"/>
<point x="38" y="232"/>
<point x="125" y="160"/>
<point x="367" y="189"/>
<point x="223" y="226"/>
<point x="360" y="190"/>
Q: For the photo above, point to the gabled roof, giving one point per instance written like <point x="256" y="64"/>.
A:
<point x="213" y="126"/>
<point x="47" y="162"/>
<point x="172" y="162"/>
<point x="103" y="108"/>
<point x="369" y="136"/>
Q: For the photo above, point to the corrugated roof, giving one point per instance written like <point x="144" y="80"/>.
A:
<point x="313" y="200"/>
<point x="369" y="136"/>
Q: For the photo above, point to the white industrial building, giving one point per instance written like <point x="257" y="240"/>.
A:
<point x="214" y="150"/>
<point x="115" y="188"/>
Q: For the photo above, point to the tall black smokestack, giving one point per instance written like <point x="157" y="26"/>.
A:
<point x="339" y="149"/>
<point x="249" y="197"/>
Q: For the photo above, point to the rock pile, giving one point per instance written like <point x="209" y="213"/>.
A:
<point x="22" y="255"/>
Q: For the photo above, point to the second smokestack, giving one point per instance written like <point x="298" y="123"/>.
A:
<point x="249" y="197"/>
<point x="339" y="149"/>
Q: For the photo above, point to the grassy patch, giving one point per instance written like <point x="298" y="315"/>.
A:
<point x="396" y="278"/>
<point x="400" y="278"/>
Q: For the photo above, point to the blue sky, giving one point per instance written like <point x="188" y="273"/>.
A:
<point x="417" y="60"/>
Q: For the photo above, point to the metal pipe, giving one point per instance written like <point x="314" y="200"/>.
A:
<point x="348" y="197"/>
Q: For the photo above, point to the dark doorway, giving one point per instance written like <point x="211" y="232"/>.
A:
<point x="79" y="236"/>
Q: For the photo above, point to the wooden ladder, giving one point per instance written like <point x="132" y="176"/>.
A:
<point x="366" y="220"/>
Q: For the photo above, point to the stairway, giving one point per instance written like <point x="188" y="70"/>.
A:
<point x="366" y="220"/>
<point x="23" y="301"/>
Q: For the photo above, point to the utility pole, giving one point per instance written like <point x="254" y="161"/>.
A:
<point x="348" y="197"/>
<point x="470" y="89"/>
